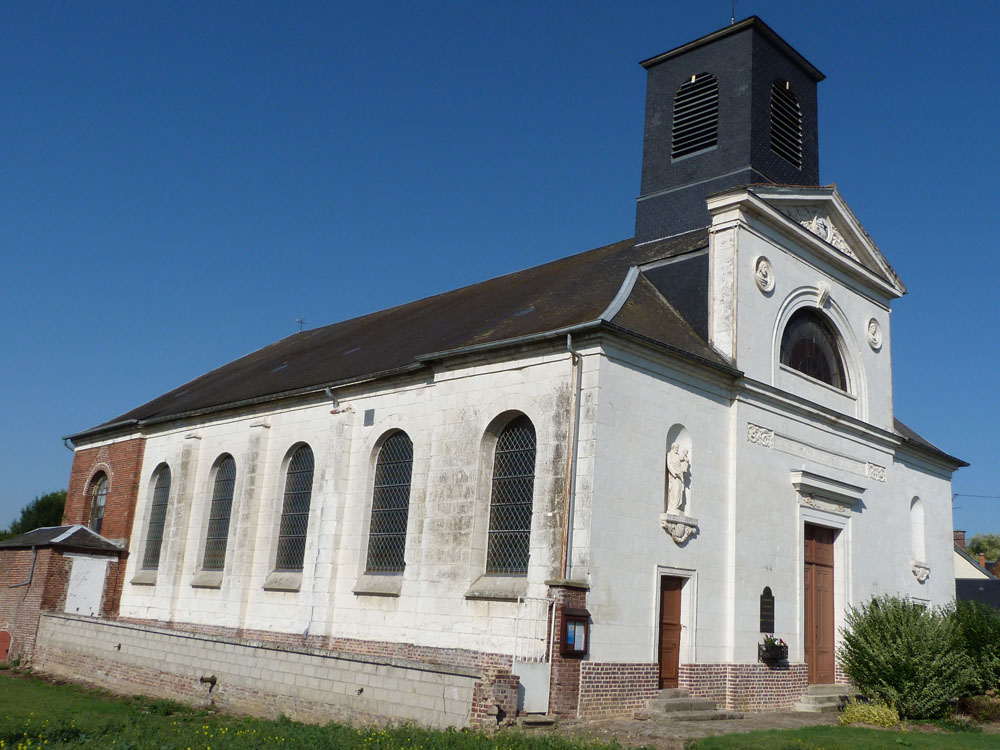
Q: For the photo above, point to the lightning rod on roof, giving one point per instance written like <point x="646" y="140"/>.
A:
<point x="300" y="321"/>
<point x="732" y="17"/>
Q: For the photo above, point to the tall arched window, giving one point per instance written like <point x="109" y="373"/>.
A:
<point x="217" y="537"/>
<point x="98" y="499"/>
<point x="695" y="124"/>
<point x="511" y="499"/>
<point x="786" y="123"/>
<point x="809" y="345"/>
<point x="390" y="505"/>
<point x="157" y="518"/>
<point x="295" y="511"/>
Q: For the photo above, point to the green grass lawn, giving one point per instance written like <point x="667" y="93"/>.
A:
<point x="37" y="714"/>
<point x="848" y="738"/>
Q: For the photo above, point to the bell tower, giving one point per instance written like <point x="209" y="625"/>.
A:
<point x="735" y="107"/>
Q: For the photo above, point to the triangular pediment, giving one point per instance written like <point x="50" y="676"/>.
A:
<point x="822" y="212"/>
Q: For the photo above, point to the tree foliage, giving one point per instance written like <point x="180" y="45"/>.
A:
<point x="979" y="627"/>
<point x="986" y="544"/>
<point x="46" y="510"/>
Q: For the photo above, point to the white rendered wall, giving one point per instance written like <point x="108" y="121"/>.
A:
<point x="447" y="415"/>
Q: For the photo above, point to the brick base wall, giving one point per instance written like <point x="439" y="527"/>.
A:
<point x="745" y="687"/>
<point x="615" y="688"/>
<point x="265" y="678"/>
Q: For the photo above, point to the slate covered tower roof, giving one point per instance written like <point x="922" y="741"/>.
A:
<point x="735" y="107"/>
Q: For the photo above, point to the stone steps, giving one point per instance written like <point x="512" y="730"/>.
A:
<point x="823" y="699"/>
<point x="673" y="704"/>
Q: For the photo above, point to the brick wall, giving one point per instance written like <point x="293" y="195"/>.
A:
<point x="20" y="607"/>
<point x="745" y="687"/>
<point x="121" y="462"/>
<point x="564" y="684"/>
<point x="260" y="678"/>
<point x="616" y="689"/>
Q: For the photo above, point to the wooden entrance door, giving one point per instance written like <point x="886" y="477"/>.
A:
<point x="819" y="622"/>
<point x="670" y="630"/>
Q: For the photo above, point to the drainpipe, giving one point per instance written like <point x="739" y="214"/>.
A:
<point x="574" y="441"/>
<point x="31" y="573"/>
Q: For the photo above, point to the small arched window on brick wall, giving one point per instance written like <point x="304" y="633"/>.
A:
<point x="157" y="518"/>
<point x="511" y="499"/>
<point x="295" y="511"/>
<point x="98" y="499"/>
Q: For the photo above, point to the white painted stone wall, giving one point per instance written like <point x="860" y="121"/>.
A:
<point x="254" y="677"/>
<point x="450" y="417"/>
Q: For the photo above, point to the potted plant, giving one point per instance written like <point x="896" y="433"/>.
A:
<point x="773" y="649"/>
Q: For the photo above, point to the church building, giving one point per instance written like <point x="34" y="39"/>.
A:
<point x="559" y="491"/>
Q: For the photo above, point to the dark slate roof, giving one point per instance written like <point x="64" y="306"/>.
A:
<point x="74" y="537"/>
<point x="985" y="590"/>
<point x="546" y="299"/>
<point x="911" y="437"/>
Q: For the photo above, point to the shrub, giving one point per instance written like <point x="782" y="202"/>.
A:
<point x="981" y="707"/>
<point x="877" y="714"/>
<point x="906" y="656"/>
<point x="979" y="627"/>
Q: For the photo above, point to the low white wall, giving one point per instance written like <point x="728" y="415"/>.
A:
<point x="253" y="677"/>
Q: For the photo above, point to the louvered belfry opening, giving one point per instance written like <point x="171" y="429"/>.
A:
<point x="696" y="116"/>
<point x="390" y="505"/>
<point x="217" y="537"/>
<point x="511" y="501"/>
<point x="786" y="124"/>
<point x="295" y="511"/>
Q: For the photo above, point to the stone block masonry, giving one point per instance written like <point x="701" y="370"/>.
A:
<point x="262" y="678"/>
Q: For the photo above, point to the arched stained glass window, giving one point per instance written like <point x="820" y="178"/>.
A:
<point x="98" y="499"/>
<point x="217" y="537"/>
<point x="295" y="511"/>
<point x="809" y="345"/>
<point x="511" y="499"/>
<point x="390" y="505"/>
<point x="157" y="518"/>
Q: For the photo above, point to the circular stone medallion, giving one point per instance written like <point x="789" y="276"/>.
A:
<point x="764" y="274"/>
<point x="874" y="335"/>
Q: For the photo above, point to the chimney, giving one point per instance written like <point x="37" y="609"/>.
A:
<point x="959" y="535"/>
<point x="982" y="560"/>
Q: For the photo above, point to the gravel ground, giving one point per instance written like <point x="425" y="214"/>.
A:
<point x="670" y="735"/>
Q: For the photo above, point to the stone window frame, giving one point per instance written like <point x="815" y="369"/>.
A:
<point x="154" y="482"/>
<point x="488" y="585"/>
<point x="281" y="579"/>
<point x="212" y="578"/>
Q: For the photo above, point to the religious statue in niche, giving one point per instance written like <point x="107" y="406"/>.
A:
<point x="678" y="469"/>
<point x="675" y="521"/>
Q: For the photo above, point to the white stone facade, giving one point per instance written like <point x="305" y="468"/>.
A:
<point x="769" y="451"/>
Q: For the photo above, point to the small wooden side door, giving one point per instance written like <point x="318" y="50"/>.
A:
<point x="670" y="630"/>
<point x="819" y="618"/>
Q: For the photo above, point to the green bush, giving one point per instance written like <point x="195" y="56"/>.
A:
<point x="877" y="714"/>
<point x="906" y="656"/>
<point x="979" y="627"/>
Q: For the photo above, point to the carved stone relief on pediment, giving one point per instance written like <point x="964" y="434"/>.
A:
<point x="819" y="223"/>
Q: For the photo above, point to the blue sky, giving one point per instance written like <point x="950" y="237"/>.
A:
<point x="183" y="180"/>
